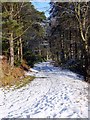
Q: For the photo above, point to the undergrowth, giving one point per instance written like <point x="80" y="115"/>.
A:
<point x="14" y="77"/>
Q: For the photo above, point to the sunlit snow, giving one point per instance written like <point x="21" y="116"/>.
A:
<point x="54" y="93"/>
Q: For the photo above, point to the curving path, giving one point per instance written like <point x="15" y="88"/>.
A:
<point x="55" y="93"/>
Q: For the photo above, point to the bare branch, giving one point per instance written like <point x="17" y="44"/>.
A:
<point x="6" y="9"/>
<point x="20" y="9"/>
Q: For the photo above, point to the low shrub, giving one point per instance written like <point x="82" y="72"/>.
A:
<point x="32" y="58"/>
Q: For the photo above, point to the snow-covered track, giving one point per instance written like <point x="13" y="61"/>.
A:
<point x="54" y="93"/>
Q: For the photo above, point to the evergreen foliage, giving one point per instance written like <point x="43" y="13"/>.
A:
<point x="69" y="35"/>
<point x="21" y="23"/>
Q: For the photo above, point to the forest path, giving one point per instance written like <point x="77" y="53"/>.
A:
<point x="54" y="93"/>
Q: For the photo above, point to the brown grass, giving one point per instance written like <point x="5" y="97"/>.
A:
<point x="9" y="82"/>
<point x="14" y="77"/>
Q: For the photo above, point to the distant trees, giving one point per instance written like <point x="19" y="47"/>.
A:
<point x="69" y="32"/>
<point x="20" y="23"/>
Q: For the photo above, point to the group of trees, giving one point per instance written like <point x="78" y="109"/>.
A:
<point x="21" y="23"/>
<point x="69" y="30"/>
<point x="68" y="34"/>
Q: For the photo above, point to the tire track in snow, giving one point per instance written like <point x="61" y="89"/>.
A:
<point x="53" y="97"/>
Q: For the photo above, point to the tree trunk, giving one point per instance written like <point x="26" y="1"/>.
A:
<point x="11" y="42"/>
<point x="18" y="51"/>
<point x="21" y="49"/>
<point x="11" y="50"/>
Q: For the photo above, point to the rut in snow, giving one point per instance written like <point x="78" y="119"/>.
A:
<point x="54" y="93"/>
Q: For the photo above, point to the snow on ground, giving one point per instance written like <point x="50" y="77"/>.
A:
<point x="54" y="93"/>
